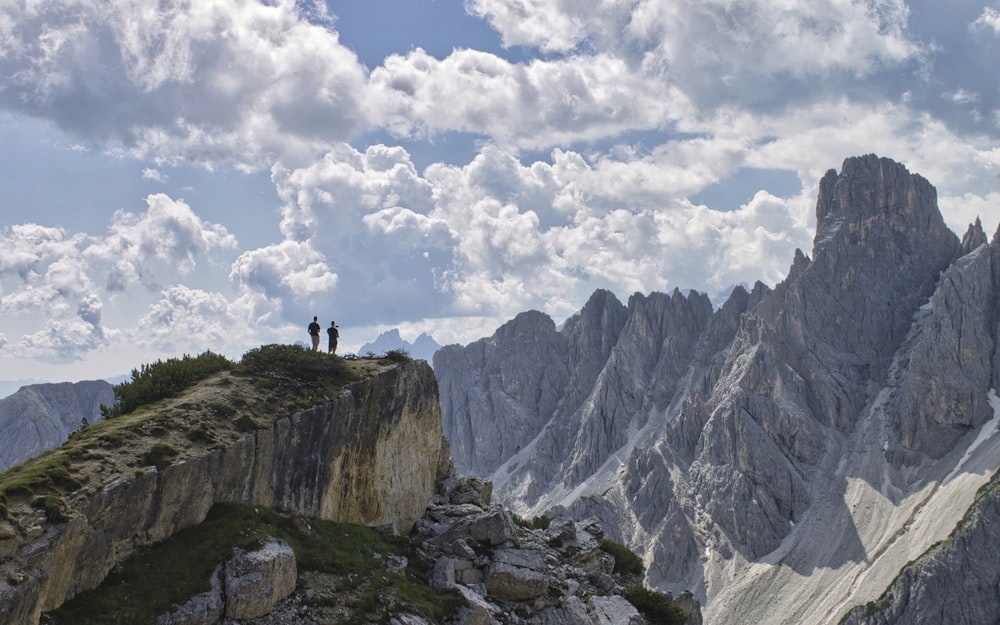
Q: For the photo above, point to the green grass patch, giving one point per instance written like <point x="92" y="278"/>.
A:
<point x="658" y="608"/>
<point x="49" y="473"/>
<point x="149" y="583"/>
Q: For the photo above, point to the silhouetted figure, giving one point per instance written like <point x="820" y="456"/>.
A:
<point x="314" y="333"/>
<point x="334" y="334"/>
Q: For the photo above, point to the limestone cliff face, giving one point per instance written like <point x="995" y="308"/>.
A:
<point x="372" y="455"/>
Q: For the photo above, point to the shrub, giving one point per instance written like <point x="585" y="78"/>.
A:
<point x="658" y="608"/>
<point x="163" y="379"/>
<point x="294" y="362"/>
<point x="626" y="562"/>
<point x="397" y="355"/>
<point x="246" y="423"/>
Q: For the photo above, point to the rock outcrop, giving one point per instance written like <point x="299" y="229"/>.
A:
<point x="507" y="573"/>
<point x="246" y="586"/>
<point x="372" y="455"/>
<point x="746" y="449"/>
<point x="40" y="416"/>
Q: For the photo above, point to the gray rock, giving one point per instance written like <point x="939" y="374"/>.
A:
<point x="713" y="433"/>
<point x="255" y="581"/>
<point x="613" y="610"/>
<point x="506" y="582"/>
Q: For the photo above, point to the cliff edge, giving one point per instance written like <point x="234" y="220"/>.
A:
<point x="370" y="454"/>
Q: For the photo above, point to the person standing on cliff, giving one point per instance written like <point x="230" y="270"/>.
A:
<point x="314" y="333"/>
<point x="334" y="334"/>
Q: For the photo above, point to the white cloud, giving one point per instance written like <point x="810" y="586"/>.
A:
<point x="990" y="18"/>
<point x="58" y="280"/>
<point x="168" y="233"/>
<point x="231" y="80"/>
<point x="148" y="173"/>
<point x="726" y="39"/>
<point x="289" y="270"/>
<point x="193" y="321"/>
<point x="539" y="104"/>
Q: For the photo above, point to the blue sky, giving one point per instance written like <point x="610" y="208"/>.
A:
<point x="211" y="175"/>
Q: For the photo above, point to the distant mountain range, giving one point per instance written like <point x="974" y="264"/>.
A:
<point x="422" y="348"/>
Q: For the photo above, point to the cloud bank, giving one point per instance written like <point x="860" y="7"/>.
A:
<point x="589" y="147"/>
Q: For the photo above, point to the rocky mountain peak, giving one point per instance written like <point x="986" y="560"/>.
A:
<point x="875" y="200"/>
<point x="974" y="237"/>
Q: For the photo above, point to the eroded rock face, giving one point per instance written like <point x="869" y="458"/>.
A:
<point x="372" y="456"/>
<point x="709" y="436"/>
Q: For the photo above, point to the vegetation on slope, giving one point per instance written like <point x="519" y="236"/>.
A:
<point x="353" y="561"/>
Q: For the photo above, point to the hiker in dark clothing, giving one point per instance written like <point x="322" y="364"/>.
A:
<point x="334" y="334"/>
<point x="314" y="333"/>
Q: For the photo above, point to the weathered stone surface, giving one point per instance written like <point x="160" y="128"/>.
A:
<point x="506" y="582"/>
<point x="255" y="581"/>
<point x="535" y="583"/>
<point x="613" y="610"/>
<point x="370" y="456"/>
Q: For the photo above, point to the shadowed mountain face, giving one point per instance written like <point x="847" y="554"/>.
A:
<point x="40" y="416"/>
<point x="785" y="445"/>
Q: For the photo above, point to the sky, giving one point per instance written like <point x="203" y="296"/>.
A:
<point x="179" y="176"/>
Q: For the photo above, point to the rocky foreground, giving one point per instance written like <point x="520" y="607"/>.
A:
<point x="503" y="572"/>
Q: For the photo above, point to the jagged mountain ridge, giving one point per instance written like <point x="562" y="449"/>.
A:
<point x="40" y="416"/>
<point x="777" y="446"/>
<point x="422" y="347"/>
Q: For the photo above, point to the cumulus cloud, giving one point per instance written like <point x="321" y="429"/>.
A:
<point x="233" y="81"/>
<point x="148" y="173"/>
<point x="718" y="49"/>
<point x="62" y="281"/>
<point x="989" y="19"/>
<point x="194" y="320"/>
<point x="539" y="104"/>
<point x="169" y="233"/>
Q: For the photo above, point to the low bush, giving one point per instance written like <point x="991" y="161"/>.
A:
<point x="163" y="379"/>
<point x="397" y="355"/>
<point x="294" y="362"/>
<point x="55" y="509"/>
<point x="658" y="608"/>
<point x="626" y="561"/>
